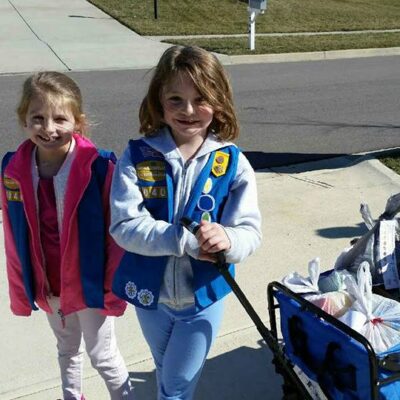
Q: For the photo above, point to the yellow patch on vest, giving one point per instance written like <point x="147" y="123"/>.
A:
<point x="220" y="164"/>
<point x="10" y="183"/>
<point x="13" y="195"/>
<point x="154" y="192"/>
<point x="151" y="171"/>
<point x="12" y="189"/>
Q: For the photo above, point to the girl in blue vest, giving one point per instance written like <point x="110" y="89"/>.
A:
<point x="185" y="166"/>
<point x="60" y="257"/>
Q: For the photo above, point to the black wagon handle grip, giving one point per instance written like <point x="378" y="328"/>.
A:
<point x="193" y="227"/>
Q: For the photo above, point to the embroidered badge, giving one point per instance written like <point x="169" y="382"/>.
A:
<point x="206" y="216"/>
<point x="130" y="289"/>
<point x="145" y="297"/>
<point x="207" y="186"/>
<point x="220" y="164"/>
<point x="10" y="183"/>
<point x="206" y="202"/>
<point x="151" y="171"/>
<point x="12" y="189"/>
<point x="13" y="195"/>
<point x="149" y="152"/>
<point x="154" y="192"/>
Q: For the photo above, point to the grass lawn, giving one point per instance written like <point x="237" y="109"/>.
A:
<point x="392" y="162"/>
<point x="230" y="16"/>
<point x="191" y="17"/>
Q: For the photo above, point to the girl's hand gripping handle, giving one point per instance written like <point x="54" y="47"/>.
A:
<point x="193" y="227"/>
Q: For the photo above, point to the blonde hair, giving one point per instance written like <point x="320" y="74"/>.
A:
<point x="53" y="87"/>
<point x="210" y="80"/>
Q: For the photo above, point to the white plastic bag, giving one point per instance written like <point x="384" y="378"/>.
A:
<point x="333" y="303"/>
<point x="377" y="246"/>
<point x="374" y="316"/>
<point x="332" y="282"/>
<point x="299" y="284"/>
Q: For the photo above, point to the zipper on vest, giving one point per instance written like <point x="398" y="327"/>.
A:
<point x="43" y="263"/>
<point x="46" y="289"/>
<point x="43" y="259"/>
<point x="182" y="191"/>
<point x="175" y="300"/>
<point x="181" y="207"/>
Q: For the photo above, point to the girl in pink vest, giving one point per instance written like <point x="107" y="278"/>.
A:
<point x="60" y="257"/>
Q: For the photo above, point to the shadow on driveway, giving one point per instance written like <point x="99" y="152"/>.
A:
<point x="241" y="374"/>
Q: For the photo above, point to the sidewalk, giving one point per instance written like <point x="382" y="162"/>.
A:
<point x="68" y="36"/>
<point x="74" y="36"/>
<point x="308" y="210"/>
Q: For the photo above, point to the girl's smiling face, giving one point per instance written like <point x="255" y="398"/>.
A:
<point x="49" y="126"/>
<point x="185" y="111"/>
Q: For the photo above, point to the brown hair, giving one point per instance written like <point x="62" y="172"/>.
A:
<point x="53" y="87"/>
<point x="209" y="78"/>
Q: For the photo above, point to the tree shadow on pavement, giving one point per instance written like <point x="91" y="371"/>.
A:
<point x="343" y="231"/>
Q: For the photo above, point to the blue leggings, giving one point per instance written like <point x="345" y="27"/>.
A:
<point x="179" y="341"/>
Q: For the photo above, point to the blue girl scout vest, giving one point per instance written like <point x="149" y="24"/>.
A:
<point x="91" y="226"/>
<point x="138" y="278"/>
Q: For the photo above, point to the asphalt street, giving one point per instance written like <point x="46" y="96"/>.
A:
<point x="308" y="209"/>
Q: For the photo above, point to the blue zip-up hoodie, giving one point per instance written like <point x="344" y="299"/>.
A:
<point x="147" y="202"/>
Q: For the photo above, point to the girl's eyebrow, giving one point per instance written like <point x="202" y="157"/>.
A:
<point x="32" y="111"/>
<point x="173" y="91"/>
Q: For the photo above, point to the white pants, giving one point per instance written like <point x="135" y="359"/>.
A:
<point x="99" y="339"/>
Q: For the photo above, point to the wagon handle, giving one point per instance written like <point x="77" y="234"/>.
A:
<point x="266" y="334"/>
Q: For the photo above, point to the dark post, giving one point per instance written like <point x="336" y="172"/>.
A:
<point x="155" y="9"/>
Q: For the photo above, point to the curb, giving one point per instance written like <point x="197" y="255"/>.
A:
<point x="339" y="162"/>
<point x="163" y="38"/>
<point x="308" y="56"/>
